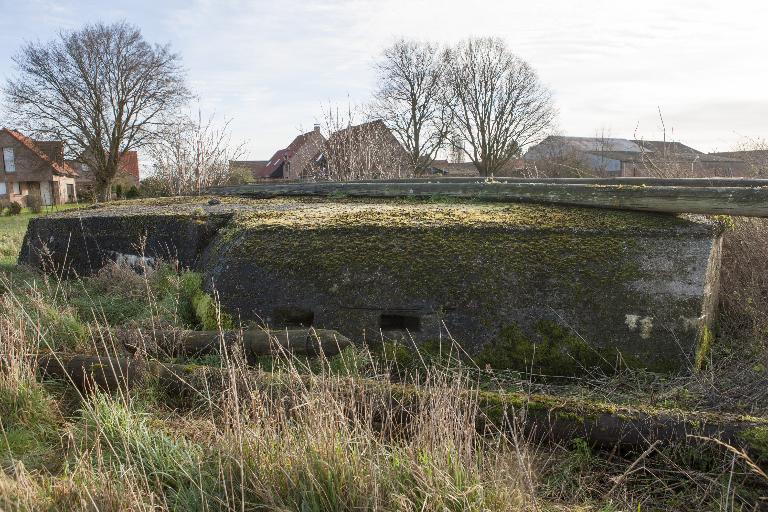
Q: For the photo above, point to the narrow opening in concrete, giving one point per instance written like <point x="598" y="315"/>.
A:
<point x="293" y="317"/>
<point x="396" y="322"/>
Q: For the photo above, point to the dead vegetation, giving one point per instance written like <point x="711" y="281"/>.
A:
<point x="310" y="442"/>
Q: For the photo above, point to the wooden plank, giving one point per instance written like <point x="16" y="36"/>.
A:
<point x="660" y="182"/>
<point x="750" y="201"/>
<point x="558" y="418"/>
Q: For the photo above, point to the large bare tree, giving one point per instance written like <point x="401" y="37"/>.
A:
<point x="410" y="98"/>
<point x="498" y="103"/>
<point x="103" y="90"/>
<point x="194" y="153"/>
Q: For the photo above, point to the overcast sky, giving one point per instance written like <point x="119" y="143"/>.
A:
<point x="272" y="65"/>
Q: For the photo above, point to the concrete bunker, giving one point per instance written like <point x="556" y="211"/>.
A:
<point x="549" y="288"/>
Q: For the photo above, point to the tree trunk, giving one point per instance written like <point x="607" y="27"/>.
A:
<point x="103" y="190"/>
<point x="103" y="177"/>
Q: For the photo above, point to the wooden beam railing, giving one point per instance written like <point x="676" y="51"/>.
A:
<point x="716" y="196"/>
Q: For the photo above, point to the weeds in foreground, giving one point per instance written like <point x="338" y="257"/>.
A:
<point x="316" y="445"/>
<point x="238" y="448"/>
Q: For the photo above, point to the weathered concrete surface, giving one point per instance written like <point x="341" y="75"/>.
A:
<point x="83" y="241"/>
<point x="548" y="288"/>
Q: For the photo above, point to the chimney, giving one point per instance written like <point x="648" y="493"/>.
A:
<point x="317" y="127"/>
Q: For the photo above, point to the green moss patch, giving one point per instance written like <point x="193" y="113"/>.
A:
<point x="757" y="440"/>
<point x="419" y="245"/>
<point x="553" y="349"/>
<point x="197" y="308"/>
<point x="704" y="349"/>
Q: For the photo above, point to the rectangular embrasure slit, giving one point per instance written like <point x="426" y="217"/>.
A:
<point x="398" y="322"/>
<point x="293" y="317"/>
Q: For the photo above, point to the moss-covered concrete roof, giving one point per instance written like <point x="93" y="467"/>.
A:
<point x="398" y="214"/>
<point x="312" y="213"/>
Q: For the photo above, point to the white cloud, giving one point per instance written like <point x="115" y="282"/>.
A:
<point x="272" y="65"/>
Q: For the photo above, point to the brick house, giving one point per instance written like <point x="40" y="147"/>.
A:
<point x="296" y="160"/>
<point x="33" y="167"/>
<point x="365" y="151"/>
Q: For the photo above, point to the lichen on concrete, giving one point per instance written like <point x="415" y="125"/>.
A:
<point x="477" y="270"/>
<point x="585" y="286"/>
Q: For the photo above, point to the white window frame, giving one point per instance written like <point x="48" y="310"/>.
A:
<point x="9" y="160"/>
<point x="16" y="187"/>
<point x="3" y="188"/>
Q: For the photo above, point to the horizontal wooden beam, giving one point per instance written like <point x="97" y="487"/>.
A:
<point x="659" y="182"/>
<point x="254" y="343"/>
<point x="727" y="197"/>
<point x="558" y="418"/>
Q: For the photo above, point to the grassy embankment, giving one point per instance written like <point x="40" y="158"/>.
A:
<point x="324" y="447"/>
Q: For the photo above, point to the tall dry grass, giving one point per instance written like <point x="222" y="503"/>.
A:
<point x="313" y="442"/>
<point x="744" y="281"/>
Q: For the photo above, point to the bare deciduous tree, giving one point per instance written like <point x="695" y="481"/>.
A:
<point x="754" y="153"/>
<point x="193" y="154"/>
<point x="102" y="89"/>
<point x="410" y="98"/>
<point x="359" y="151"/>
<point x="498" y="103"/>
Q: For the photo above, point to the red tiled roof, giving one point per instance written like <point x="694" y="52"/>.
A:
<point x="59" y="168"/>
<point x="129" y="163"/>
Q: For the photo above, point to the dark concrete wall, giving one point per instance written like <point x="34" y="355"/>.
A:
<point x="587" y="287"/>
<point x="613" y="284"/>
<point x="83" y="241"/>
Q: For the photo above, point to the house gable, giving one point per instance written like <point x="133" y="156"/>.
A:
<point x="296" y="160"/>
<point x="34" y="160"/>
<point x="368" y="150"/>
<point x="38" y="168"/>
